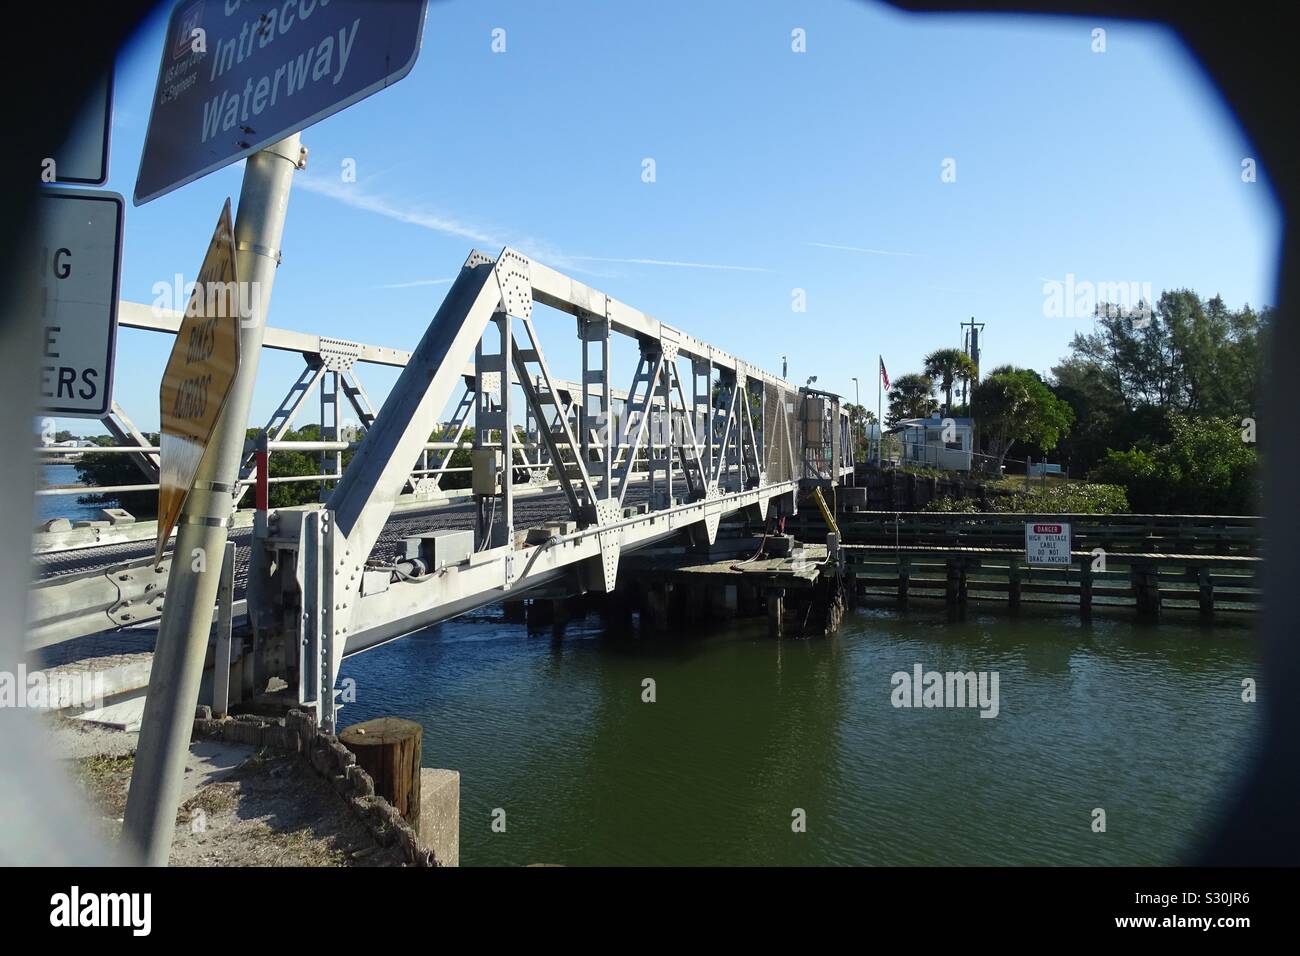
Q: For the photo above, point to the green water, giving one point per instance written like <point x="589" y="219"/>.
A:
<point x="1146" y="723"/>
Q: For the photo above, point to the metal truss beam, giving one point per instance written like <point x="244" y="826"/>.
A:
<point x="351" y="602"/>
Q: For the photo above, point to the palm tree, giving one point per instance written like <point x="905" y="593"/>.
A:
<point x="911" y="396"/>
<point x="861" y="419"/>
<point x="945" y="366"/>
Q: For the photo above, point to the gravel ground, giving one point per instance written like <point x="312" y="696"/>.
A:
<point x="238" y="807"/>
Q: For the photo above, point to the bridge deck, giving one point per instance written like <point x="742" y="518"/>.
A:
<point x="530" y="511"/>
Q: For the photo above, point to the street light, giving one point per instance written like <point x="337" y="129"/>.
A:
<point x="857" y="412"/>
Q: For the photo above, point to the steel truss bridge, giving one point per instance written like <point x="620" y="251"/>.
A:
<point x="594" y="471"/>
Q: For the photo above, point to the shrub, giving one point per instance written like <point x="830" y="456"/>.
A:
<point x="1207" y="468"/>
<point x="1074" y="498"/>
<point x="950" y="505"/>
<point x="108" y="470"/>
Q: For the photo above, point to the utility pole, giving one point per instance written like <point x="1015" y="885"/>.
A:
<point x="971" y="344"/>
<point x="201" y="534"/>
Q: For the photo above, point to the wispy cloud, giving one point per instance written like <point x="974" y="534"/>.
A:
<point x="414" y="213"/>
<point x="861" y="249"/>
<point x="414" y="283"/>
<point x="668" y="262"/>
<point x="350" y="194"/>
<point x="358" y="197"/>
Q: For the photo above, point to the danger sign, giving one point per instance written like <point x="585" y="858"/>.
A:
<point x="1047" y="544"/>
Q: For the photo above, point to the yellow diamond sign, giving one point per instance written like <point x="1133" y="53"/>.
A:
<point x="199" y="375"/>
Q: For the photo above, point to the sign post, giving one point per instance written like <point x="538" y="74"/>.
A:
<point x="238" y="78"/>
<point x="81" y="257"/>
<point x="1047" y="544"/>
<point x="195" y="574"/>
<point x="199" y="374"/>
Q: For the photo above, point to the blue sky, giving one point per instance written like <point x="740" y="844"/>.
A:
<point x="775" y="171"/>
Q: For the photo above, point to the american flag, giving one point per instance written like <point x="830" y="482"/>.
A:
<point x="884" y="376"/>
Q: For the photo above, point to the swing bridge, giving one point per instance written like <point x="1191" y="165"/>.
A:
<point x="594" y="471"/>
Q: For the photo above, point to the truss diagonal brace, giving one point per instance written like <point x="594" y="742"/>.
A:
<point x="642" y="412"/>
<point x="548" y="436"/>
<point x="364" y="496"/>
<point x="567" y="432"/>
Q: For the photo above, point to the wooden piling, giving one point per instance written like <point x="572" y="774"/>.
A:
<point x="904" y="579"/>
<point x="1085" y="588"/>
<point x="1206" y="588"/>
<point x="1013" y="584"/>
<point x="561" y="612"/>
<point x="952" y="592"/>
<point x="776" y="612"/>
<point x="388" y="749"/>
<point x="1146" y="586"/>
<point x="696" y="603"/>
<point x="656" y="606"/>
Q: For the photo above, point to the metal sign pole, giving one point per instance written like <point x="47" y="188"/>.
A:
<point x="186" y="624"/>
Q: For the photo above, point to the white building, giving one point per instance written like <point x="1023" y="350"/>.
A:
<point x="937" y="442"/>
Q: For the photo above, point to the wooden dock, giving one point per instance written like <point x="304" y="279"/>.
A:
<point x="1148" y="564"/>
<point x="1209" y="563"/>
<point x="1148" y="582"/>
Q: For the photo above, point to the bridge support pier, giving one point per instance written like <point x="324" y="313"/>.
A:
<point x="654" y="607"/>
<point x="561" y="614"/>
<point x="723" y="602"/>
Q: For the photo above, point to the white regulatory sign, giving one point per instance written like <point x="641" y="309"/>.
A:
<point x="80" y="247"/>
<point x="1047" y="543"/>
<point x="82" y="160"/>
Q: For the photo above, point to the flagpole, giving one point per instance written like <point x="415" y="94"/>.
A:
<point x="880" y="422"/>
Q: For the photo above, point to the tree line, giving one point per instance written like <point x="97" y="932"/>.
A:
<point x="1161" y="401"/>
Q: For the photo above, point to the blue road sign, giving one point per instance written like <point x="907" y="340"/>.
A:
<point x="238" y="75"/>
